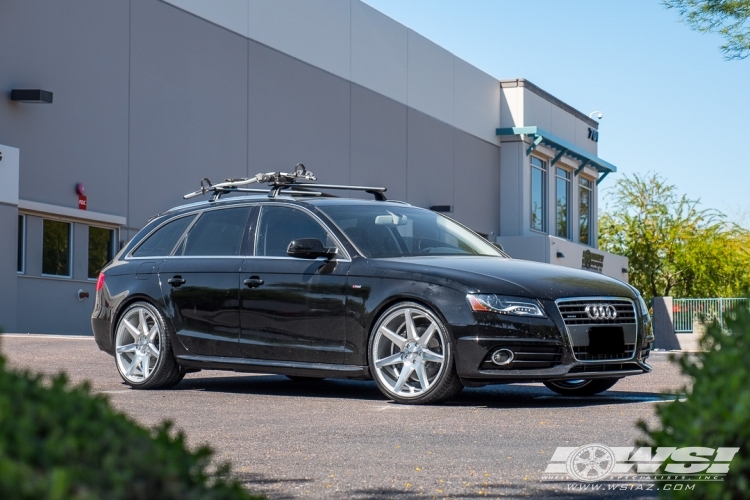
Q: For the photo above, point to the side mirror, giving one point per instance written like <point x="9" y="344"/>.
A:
<point x="498" y="246"/>
<point x="310" y="248"/>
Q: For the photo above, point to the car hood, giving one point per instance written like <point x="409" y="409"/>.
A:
<point x="511" y="276"/>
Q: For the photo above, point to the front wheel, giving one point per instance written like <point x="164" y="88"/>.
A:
<point x="588" y="387"/>
<point x="411" y="356"/>
<point x="143" y="352"/>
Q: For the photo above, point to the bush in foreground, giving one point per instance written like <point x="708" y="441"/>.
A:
<point x="58" y="442"/>
<point x="716" y="412"/>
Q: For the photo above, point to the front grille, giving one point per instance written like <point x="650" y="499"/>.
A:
<point x="574" y="312"/>
<point x="526" y="357"/>
<point x="582" y="354"/>
<point x="605" y="368"/>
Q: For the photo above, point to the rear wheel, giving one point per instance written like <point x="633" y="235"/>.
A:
<point x="588" y="387"/>
<point x="143" y="352"/>
<point x="411" y="356"/>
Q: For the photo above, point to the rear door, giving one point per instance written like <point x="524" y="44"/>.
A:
<point x="200" y="281"/>
<point x="292" y="309"/>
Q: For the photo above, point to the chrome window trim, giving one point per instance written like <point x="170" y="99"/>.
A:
<point x="198" y="212"/>
<point x="636" y="346"/>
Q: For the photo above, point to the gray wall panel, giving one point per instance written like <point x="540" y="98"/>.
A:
<point x="188" y="117"/>
<point x="56" y="306"/>
<point x="430" y="161"/>
<point x="79" y="51"/>
<point x="8" y="260"/>
<point x="378" y="143"/>
<point x="297" y="113"/>
<point x="476" y="183"/>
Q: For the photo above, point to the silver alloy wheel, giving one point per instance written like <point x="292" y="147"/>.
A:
<point x="137" y="344"/>
<point x="409" y="351"/>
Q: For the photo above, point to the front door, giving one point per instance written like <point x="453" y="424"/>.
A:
<point x="292" y="309"/>
<point x="200" y="282"/>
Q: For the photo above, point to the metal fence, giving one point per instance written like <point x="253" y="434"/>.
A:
<point x="685" y="311"/>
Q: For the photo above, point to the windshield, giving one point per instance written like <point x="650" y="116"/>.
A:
<point x="388" y="231"/>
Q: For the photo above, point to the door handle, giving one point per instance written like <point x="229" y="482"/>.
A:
<point x="176" y="281"/>
<point x="253" y="282"/>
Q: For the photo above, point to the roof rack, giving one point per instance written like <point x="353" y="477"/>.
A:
<point x="278" y="182"/>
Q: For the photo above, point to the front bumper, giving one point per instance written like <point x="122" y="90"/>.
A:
<point x="544" y="351"/>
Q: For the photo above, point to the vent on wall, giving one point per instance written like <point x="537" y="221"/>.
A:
<point x="31" y="95"/>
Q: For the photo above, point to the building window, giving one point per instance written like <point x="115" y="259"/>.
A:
<point x="585" y="201"/>
<point x="562" y="207"/>
<point x="101" y="243"/>
<point x="538" y="194"/>
<point x="56" y="248"/>
<point x="21" y="244"/>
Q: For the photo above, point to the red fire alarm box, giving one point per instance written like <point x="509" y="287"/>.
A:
<point x="82" y="202"/>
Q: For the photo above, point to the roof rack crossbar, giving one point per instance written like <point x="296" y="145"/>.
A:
<point x="279" y="181"/>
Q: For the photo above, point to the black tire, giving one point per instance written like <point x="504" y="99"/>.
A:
<point x="165" y="373"/>
<point x="445" y="384"/>
<point x="579" y="388"/>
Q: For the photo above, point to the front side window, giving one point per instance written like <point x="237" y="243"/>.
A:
<point x="585" y="205"/>
<point x="217" y="233"/>
<point x="21" y="243"/>
<point x="279" y="226"/>
<point x="383" y="231"/>
<point x="101" y="242"/>
<point x="562" y="205"/>
<point x="538" y="191"/>
<point x="56" y="248"/>
<point x="163" y="240"/>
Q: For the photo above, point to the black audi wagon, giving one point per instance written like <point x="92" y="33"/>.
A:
<point x="291" y="280"/>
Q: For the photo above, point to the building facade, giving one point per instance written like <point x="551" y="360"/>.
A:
<point x="150" y="96"/>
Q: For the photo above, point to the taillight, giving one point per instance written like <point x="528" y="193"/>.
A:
<point x="100" y="282"/>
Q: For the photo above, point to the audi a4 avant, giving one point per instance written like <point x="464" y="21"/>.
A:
<point x="297" y="282"/>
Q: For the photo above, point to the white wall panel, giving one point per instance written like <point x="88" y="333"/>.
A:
<point x="511" y="110"/>
<point x="379" y="52"/>
<point x="315" y="32"/>
<point x="430" y="78"/>
<point x="562" y="124"/>
<point x="476" y="101"/>
<point x="537" y="111"/>
<point x="231" y="14"/>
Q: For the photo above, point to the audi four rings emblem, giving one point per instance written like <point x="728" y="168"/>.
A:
<point x="601" y="311"/>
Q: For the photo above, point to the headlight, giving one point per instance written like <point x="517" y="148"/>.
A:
<point x="500" y="304"/>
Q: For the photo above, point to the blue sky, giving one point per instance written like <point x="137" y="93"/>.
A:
<point x="671" y="103"/>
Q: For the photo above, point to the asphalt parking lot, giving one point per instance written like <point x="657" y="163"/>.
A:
<point x="342" y="439"/>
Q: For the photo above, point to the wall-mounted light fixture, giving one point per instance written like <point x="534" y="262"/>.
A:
<point x="624" y="270"/>
<point x="560" y="255"/>
<point x="31" y="95"/>
<point x="442" y="208"/>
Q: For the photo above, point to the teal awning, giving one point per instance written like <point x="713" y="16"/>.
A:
<point x="563" y="148"/>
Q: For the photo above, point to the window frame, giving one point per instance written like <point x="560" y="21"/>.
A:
<point x="568" y="199"/>
<point x="545" y="193"/>
<point x="70" y="249"/>
<point x="22" y="235"/>
<point x="590" y="188"/>
<point x="112" y="246"/>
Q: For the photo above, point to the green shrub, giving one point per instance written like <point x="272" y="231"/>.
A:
<point x="61" y="442"/>
<point x="716" y="412"/>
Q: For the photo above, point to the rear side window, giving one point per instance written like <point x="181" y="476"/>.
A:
<point x="217" y="233"/>
<point x="162" y="242"/>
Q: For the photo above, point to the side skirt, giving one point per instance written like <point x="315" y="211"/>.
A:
<point x="247" y="365"/>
